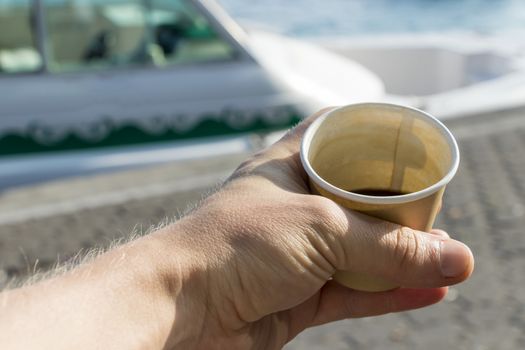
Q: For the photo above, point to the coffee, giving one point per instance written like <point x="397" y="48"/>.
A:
<point x="377" y="192"/>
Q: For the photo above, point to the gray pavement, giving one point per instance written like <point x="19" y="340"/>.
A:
<point x="484" y="207"/>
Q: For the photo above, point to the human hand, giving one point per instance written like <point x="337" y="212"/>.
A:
<point x="259" y="254"/>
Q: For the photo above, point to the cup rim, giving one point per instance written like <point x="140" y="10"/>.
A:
<point x="361" y="198"/>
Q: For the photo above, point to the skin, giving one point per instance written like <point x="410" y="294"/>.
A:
<point x="249" y="269"/>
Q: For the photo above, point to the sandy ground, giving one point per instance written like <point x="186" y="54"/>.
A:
<point x="484" y="207"/>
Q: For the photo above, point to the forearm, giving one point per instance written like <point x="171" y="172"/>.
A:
<point x="126" y="299"/>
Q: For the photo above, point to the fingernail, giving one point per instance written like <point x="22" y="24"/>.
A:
<point x="454" y="258"/>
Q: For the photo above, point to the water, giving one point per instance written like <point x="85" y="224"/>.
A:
<point x="365" y="17"/>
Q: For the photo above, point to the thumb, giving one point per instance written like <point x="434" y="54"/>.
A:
<point x="407" y="257"/>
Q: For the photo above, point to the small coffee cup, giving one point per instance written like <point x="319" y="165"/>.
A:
<point x="384" y="160"/>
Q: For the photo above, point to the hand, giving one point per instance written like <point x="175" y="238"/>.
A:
<point x="259" y="255"/>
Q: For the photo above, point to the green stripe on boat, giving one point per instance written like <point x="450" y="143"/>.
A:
<point x="40" y="138"/>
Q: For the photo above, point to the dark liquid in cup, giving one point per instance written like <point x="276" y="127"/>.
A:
<point x="377" y="192"/>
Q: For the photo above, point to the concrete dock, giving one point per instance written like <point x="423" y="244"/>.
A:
<point x="484" y="207"/>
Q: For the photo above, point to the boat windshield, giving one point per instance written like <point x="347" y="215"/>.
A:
<point x="99" y="34"/>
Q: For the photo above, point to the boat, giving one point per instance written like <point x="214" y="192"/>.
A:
<point x="88" y="86"/>
<point x="91" y="74"/>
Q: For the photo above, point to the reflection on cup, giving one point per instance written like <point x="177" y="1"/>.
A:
<point x="384" y="160"/>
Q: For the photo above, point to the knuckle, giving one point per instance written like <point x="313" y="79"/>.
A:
<point x="324" y="213"/>
<point x="246" y="168"/>
<point x="407" y="248"/>
<point x="322" y="111"/>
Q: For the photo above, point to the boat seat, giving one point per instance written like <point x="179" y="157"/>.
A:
<point x="18" y="52"/>
<point x="24" y="59"/>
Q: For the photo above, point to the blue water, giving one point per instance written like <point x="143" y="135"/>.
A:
<point x="365" y="17"/>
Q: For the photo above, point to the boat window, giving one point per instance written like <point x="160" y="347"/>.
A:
<point x="183" y="34"/>
<point x="93" y="34"/>
<point x="97" y="34"/>
<point x="18" y="48"/>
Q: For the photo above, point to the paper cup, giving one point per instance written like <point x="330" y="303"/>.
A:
<point x="380" y="147"/>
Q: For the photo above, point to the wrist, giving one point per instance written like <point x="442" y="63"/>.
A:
<point x="135" y="276"/>
<point x="181" y="279"/>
